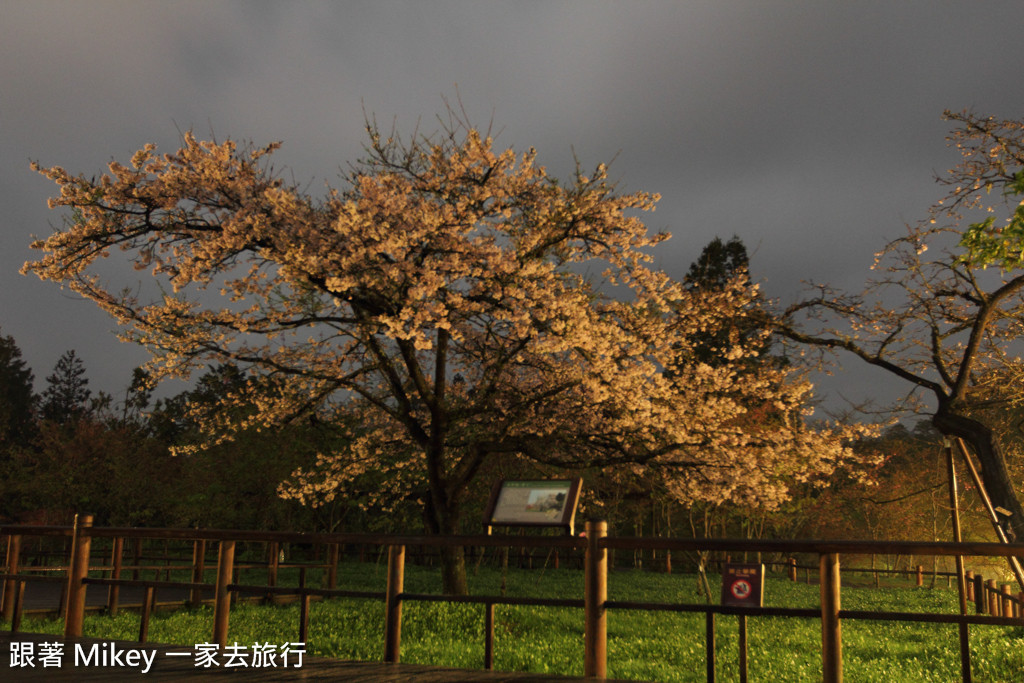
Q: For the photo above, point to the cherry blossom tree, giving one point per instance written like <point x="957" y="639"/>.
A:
<point x="454" y="303"/>
<point x="946" y="312"/>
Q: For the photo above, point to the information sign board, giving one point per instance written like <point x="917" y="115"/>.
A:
<point x="542" y="503"/>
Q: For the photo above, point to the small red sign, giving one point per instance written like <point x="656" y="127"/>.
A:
<point x="743" y="585"/>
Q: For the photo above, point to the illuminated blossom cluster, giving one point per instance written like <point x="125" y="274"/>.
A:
<point x="945" y="310"/>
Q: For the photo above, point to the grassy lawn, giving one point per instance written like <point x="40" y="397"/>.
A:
<point x="641" y="645"/>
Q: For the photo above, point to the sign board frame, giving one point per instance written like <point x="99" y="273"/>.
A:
<point x="533" y="503"/>
<point x="743" y="585"/>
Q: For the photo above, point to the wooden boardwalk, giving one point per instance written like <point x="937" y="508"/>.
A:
<point x="166" y="666"/>
<point x="45" y="597"/>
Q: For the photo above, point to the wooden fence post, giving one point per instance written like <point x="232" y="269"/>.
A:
<point x="489" y="636"/>
<point x="13" y="555"/>
<point x="992" y="595"/>
<point x="19" y="603"/>
<point x="595" y="594"/>
<point x="1007" y="597"/>
<point x="980" y="602"/>
<point x="62" y="604"/>
<point x="81" y="543"/>
<point x="148" y="601"/>
<point x="274" y="551"/>
<point x="332" y="569"/>
<point x="304" y="618"/>
<point x="195" y="596"/>
<point x="831" y="629"/>
<point x="393" y="604"/>
<point x="222" y="599"/>
<point x="114" y="592"/>
<point x="136" y="557"/>
<point x="792" y="568"/>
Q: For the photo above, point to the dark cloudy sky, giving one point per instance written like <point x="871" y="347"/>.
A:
<point x="812" y="130"/>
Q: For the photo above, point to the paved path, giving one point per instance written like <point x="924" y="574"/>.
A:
<point x="169" y="667"/>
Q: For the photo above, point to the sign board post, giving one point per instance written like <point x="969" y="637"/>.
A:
<point x="538" y="503"/>
<point x="743" y="586"/>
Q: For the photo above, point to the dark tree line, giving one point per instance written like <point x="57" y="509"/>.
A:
<point x="67" y="450"/>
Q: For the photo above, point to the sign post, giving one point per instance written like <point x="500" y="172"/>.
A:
<point x="743" y="586"/>
<point x="550" y="503"/>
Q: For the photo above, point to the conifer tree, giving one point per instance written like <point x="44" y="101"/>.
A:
<point x="17" y="398"/>
<point x="66" y="397"/>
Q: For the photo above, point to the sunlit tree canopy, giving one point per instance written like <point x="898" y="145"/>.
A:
<point x="453" y="302"/>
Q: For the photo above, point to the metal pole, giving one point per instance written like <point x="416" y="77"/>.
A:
<point x="742" y="618"/>
<point x="489" y="636"/>
<point x="709" y="640"/>
<point x="1015" y="566"/>
<point x="961" y="582"/>
<point x="595" y="638"/>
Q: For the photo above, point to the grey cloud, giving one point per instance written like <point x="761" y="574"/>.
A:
<point x="811" y="130"/>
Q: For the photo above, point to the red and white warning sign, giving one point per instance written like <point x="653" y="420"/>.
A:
<point x="740" y="589"/>
<point x="743" y="585"/>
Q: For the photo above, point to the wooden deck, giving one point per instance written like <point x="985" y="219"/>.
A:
<point x="171" y="667"/>
<point x="44" y="598"/>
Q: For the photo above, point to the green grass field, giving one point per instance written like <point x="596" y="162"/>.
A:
<point x="641" y="645"/>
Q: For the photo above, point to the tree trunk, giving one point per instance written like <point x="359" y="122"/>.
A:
<point x="993" y="467"/>
<point x="453" y="558"/>
<point x="453" y="570"/>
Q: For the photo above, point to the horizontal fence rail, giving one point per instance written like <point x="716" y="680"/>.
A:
<point x="993" y="604"/>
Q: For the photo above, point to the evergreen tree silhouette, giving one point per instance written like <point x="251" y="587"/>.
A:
<point x="66" y="397"/>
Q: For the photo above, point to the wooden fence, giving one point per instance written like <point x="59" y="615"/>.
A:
<point x="994" y="605"/>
